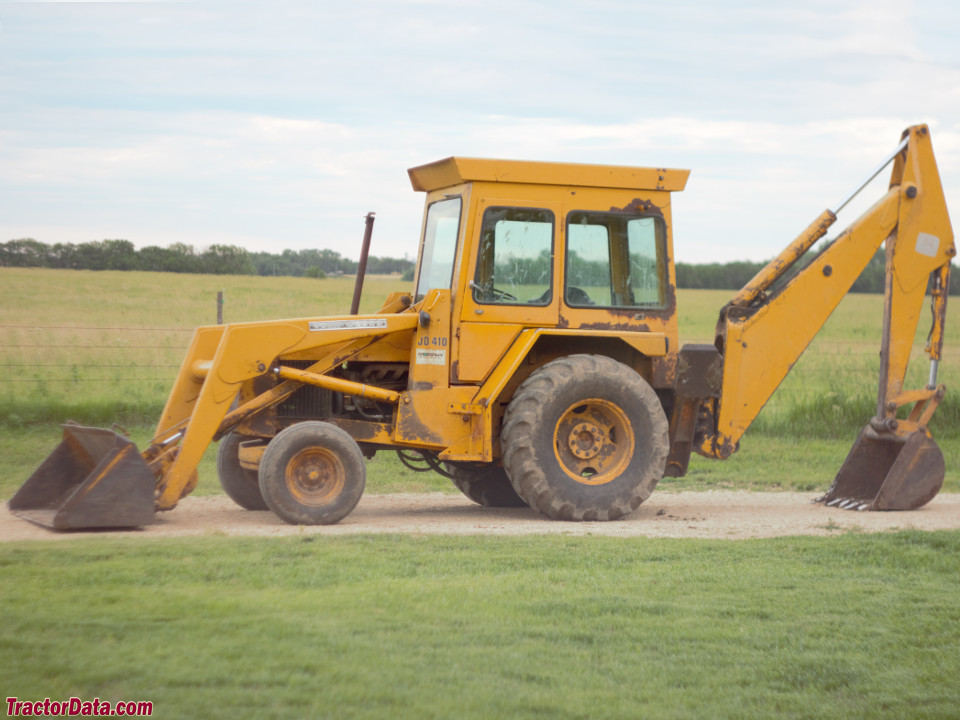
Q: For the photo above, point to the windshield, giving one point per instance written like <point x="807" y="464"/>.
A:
<point x="439" y="246"/>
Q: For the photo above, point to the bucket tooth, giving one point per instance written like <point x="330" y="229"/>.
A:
<point x="884" y="471"/>
<point x="93" y="479"/>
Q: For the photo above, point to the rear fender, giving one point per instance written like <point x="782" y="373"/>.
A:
<point x="646" y="344"/>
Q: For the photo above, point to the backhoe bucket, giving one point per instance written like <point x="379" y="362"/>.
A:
<point x="93" y="479"/>
<point x="887" y="472"/>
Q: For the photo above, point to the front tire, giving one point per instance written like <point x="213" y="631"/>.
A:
<point x="241" y="485"/>
<point x="585" y="438"/>
<point x="312" y="473"/>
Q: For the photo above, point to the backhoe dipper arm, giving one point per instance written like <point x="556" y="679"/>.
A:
<point x="761" y="334"/>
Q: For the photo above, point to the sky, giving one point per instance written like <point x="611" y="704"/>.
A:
<point x="280" y="125"/>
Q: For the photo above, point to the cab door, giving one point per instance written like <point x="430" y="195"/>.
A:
<point x="513" y="281"/>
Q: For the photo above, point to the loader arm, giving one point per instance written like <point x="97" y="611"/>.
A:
<point x="220" y="360"/>
<point x="761" y="333"/>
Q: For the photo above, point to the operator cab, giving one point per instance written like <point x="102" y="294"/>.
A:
<point x="551" y="245"/>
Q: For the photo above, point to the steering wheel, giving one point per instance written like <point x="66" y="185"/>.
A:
<point x="498" y="295"/>
<point x="488" y="292"/>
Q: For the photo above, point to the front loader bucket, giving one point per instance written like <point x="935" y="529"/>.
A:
<point x="887" y="472"/>
<point x="93" y="479"/>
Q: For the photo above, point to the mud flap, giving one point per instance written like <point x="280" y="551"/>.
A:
<point x="886" y="472"/>
<point x="93" y="479"/>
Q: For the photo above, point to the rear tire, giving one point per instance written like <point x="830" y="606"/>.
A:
<point x="585" y="438"/>
<point x="312" y="473"/>
<point x="486" y="484"/>
<point x="241" y="485"/>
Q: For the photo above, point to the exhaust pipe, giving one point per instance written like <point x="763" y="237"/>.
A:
<point x="362" y="264"/>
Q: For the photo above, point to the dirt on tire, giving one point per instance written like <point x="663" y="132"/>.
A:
<point x="733" y="515"/>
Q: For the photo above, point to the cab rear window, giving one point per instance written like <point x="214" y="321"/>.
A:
<point x="615" y="260"/>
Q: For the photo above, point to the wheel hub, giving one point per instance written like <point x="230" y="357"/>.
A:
<point x="594" y="441"/>
<point x="585" y="440"/>
<point x="314" y="476"/>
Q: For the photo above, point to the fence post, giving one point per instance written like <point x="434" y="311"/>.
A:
<point x="220" y="307"/>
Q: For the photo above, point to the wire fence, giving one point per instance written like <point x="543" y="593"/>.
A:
<point x="96" y="374"/>
<point x="69" y="354"/>
<point x="92" y="355"/>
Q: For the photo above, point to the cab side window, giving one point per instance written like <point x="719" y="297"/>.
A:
<point x="515" y="260"/>
<point x="439" y="246"/>
<point x="615" y="260"/>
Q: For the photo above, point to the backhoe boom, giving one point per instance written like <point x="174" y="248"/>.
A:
<point x="761" y="333"/>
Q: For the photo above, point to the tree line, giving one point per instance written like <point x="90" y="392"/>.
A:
<point x="734" y="275"/>
<point x="318" y="263"/>
<point x="183" y="258"/>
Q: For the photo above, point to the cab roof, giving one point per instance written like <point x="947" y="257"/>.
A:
<point x="456" y="170"/>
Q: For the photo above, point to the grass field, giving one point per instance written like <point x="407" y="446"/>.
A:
<point x="110" y="343"/>
<point x="93" y="340"/>
<point x="104" y="347"/>
<point x="860" y="626"/>
<point x="449" y="627"/>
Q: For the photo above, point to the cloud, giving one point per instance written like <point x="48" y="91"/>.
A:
<point x="271" y="181"/>
<point x="282" y="125"/>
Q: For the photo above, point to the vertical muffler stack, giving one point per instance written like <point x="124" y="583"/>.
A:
<point x="94" y="478"/>
<point x="886" y="471"/>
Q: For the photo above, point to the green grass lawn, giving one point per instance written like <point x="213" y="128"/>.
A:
<point x="852" y="626"/>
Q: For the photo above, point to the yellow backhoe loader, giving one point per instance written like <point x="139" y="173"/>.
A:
<point x="535" y="361"/>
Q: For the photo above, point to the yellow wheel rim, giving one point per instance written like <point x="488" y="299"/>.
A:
<point x="315" y="477"/>
<point x="593" y="441"/>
